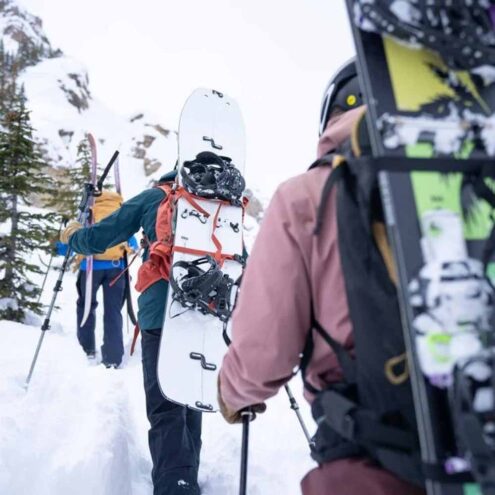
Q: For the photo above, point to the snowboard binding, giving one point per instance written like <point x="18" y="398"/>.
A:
<point x="213" y="176"/>
<point x="461" y="32"/>
<point x="207" y="290"/>
<point x="473" y="408"/>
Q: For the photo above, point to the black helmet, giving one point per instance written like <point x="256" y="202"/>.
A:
<point x="343" y="91"/>
<point x="461" y="31"/>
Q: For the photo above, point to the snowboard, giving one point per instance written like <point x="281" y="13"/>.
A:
<point x="433" y="123"/>
<point x="194" y="342"/>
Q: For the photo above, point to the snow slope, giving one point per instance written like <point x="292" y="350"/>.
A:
<point x="82" y="429"/>
<point x="51" y="86"/>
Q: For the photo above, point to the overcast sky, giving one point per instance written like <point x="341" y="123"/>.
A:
<point x="273" y="56"/>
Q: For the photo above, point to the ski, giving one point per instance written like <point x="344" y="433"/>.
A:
<point x="424" y="69"/>
<point x="208" y="249"/>
<point x="128" y="293"/>
<point x="88" y="222"/>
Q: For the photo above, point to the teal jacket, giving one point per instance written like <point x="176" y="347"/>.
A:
<point x="137" y="213"/>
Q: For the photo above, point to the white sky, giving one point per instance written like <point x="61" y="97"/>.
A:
<point x="273" y="56"/>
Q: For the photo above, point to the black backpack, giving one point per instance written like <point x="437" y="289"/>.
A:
<point x="371" y="412"/>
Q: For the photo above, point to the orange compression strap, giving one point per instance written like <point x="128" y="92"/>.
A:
<point x="114" y="280"/>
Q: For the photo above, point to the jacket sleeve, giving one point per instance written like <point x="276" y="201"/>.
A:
<point x="272" y="316"/>
<point x="117" y="227"/>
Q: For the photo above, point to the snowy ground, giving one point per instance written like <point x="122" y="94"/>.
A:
<point x="81" y="429"/>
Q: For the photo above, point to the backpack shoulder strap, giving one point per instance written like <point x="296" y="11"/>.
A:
<point x="166" y="187"/>
<point x="339" y="168"/>
<point x="344" y="358"/>
<point x="360" y="139"/>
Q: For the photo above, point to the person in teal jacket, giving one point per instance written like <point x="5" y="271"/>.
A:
<point x="175" y="433"/>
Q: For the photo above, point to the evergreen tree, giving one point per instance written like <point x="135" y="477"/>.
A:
<point x="22" y="177"/>
<point x="8" y="71"/>
<point x="71" y="183"/>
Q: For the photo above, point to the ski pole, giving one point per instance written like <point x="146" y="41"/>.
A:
<point x="89" y="190"/>
<point x="295" y="407"/>
<point x="62" y="223"/>
<point x="46" y="275"/>
<point x="46" y="322"/>
<point x="247" y="416"/>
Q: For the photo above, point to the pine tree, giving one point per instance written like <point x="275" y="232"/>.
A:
<point x="71" y="183"/>
<point x="8" y="69"/>
<point x="22" y="176"/>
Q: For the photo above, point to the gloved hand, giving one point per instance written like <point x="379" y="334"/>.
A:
<point x="233" y="417"/>
<point x="69" y="230"/>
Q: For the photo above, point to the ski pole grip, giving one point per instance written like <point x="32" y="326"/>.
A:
<point x="247" y="415"/>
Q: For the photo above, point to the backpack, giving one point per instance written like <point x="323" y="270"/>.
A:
<point x="208" y="177"/>
<point x="159" y="262"/>
<point x="371" y="412"/>
<point x="104" y="206"/>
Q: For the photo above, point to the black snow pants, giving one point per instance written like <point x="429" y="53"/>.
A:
<point x="175" y="433"/>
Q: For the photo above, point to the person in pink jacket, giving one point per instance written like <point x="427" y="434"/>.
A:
<point x="290" y="273"/>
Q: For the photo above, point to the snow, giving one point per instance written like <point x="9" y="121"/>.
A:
<point x="15" y="18"/>
<point x="81" y="428"/>
<point x="447" y="135"/>
<point x="8" y="302"/>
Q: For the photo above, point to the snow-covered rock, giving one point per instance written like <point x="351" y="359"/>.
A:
<point x="20" y="29"/>
<point x="63" y="109"/>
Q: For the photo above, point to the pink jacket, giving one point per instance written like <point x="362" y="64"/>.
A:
<point x="288" y="268"/>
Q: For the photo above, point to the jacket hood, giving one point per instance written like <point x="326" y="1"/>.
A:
<point x="337" y="131"/>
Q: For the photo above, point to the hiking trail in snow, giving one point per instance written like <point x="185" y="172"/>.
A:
<point x="82" y="429"/>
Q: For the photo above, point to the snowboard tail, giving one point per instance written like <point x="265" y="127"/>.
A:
<point x="435" y="123"/>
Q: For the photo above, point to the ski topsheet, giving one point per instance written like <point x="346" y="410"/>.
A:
<point x="439" y="227"/>
<point x="193" y="343"/>
<point x="89" y="221"/>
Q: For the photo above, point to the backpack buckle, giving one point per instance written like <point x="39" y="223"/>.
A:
<point x="348" y="427"/>
<point x="338" y="413"/>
